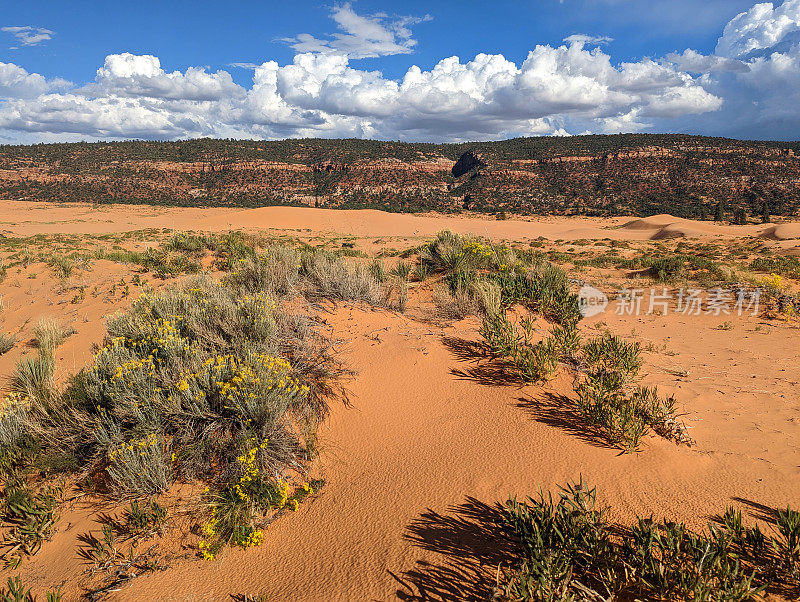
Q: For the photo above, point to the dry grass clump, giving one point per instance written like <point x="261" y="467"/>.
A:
<point x="567" y="549"/>
<point x="331" y="277"/>
<point x="50" y="333"/>
<point x="455" y="305"/>
<point x="33" y="379"/>
<point x="7" y="342"/>
<point x="488" y="296"/>
<point x="276" y="271"/>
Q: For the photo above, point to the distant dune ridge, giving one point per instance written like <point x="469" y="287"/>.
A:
<point x="25" y="218"/>
<point x="629" y="174"/>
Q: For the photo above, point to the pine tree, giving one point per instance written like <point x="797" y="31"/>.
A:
<point x="719" y="215"/>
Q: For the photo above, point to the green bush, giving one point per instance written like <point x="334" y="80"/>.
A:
<point x="544" y="288"/>
<point x="569" y="550"/>
<point x="186" y="242"/>
<point x="608" y="400"/>
<point x="610" y="353"/>
<point x="667" y="269"/>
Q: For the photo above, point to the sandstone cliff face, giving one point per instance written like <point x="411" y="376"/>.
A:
<point x="633" y="174"/>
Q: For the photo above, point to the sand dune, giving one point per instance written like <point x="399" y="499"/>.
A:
<point x="434" y="438"/>
<point x="782" y="232"/>
<point x="26" y="218"/>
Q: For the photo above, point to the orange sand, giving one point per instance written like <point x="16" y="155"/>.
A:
<point x="434" y="438"/>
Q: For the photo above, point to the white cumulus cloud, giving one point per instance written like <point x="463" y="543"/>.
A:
<point x="750" y="87"/>
<point x="763" y="29"/>
<point x="16" y="82"/>
<point x="142" y="76"/>
<point x="756" y="70"/>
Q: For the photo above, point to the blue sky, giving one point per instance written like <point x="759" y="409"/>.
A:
<point x="169" y="69"/>
<point x="184" y="33"/>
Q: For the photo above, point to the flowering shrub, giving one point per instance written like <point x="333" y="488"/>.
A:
<point x="772" y="283"/>
<point x="13" y="410"/>
<point x="140" y="466"/>
<point x="208" y="381"/>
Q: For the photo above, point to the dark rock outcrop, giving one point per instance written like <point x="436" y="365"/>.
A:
<point x="466" y="162"/>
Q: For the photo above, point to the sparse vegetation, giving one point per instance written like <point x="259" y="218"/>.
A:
<point x="569" y="550"/>
<point x="205" y="381"/>
<point x="15" y="591"/>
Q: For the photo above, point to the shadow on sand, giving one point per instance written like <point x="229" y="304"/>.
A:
<point x="484" y="369"/>
<point x="471" y="543"/>
<point x="559" y="411"/>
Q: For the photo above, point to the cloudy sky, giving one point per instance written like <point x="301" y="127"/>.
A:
<point x="432" y="71"/>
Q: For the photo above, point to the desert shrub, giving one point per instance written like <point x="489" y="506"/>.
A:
<point x="140" y="467"/>
<point x="331" y="277"/>
<point x="33" y="379"/>
<point x="14" y="409"/>
<point x="487" y="296"/>
<point x="445" y="253"/>
<point x="536" y="361"/>
<point x="162" y="262"/>
<point x="185" y="242"/>
<point x="7" y="342"/>
<point x="143" y="520"/>
<point x="667" y="269"/>
<point x="50" y="333"/>
<point x="455" y="305"/>
<point x="781" y="265"/>
<point x="787" y="546"/>
<point x="531" y="361"/>
<point x="603" y="403"/>
<point x="32" y="516"/>
<point x="275" y="271"/>
<point x="250" y="493"/>
<point x="450" y="252"/>
<point x="377" y="270"/>
<point x="461" y="279"/>
<point x="187" y="378"/>
<point x="62" y="265"/>
<point x="402" y="270"/>
<point x="566" y="339"/>
<point x="421" y="271"/>
<point x="610" y="353"/>
<point x="544" y="288"/>
<point x="608" y="399"/>
<point x="568" y="550"/>
<point x="230" y="247"/>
